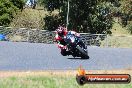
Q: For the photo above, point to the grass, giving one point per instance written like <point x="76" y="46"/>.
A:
<point x="118" y="41"/>
<point x="117" y="29"/>
<point x="120" y="38"/>
<point x="54" y="80"/>
<point x="122" y="42"/>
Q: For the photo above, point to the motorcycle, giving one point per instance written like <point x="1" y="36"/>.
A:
<point x="76" y="46"/>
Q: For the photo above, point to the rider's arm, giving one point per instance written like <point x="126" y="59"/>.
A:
<point x="57" y="39"/>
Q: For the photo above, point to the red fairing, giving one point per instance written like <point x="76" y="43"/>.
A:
<point x="57" y="37"/>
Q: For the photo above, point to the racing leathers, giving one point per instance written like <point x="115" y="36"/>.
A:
<point x="62" y="44"/>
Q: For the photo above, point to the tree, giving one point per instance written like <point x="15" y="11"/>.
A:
<point x="8" y="8"/>
<point x="102" y="21"/>
<point x="18" y="3"/>
<point x="84" y="16"/>
<point x="51" y="5"/>
<point x="52" y="22"/>
<point x="125" y="9"/>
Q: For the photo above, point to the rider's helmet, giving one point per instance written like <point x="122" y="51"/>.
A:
<point x="61" y="31"/>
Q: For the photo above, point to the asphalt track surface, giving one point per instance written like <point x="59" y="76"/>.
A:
<point x="22" y="56"/>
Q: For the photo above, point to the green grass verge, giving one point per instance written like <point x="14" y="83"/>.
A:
<point x="117" y="42"/>
<point x="117" y="29"/>
<point x="120" y="38"/>
<point x="51" y="82"/>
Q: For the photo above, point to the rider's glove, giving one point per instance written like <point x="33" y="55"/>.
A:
<point x="61" y="46"/>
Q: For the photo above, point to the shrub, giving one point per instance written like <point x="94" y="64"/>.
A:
<point x="129" y="28"/>
<point x="28" y="18"/>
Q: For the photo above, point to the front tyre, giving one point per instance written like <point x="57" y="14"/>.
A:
<point x="63" y="52"/>
<point x="85" y="57"/>
<point x="84" y="52"/>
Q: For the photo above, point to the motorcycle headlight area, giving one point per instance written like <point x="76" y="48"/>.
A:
<point x="72" y="39"/>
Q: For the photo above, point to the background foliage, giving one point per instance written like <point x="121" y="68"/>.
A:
<point x="85" y="16"/>
<point x="8" y="8"/>
<point x="18" y="3"/>
<point x="93" y="16"/>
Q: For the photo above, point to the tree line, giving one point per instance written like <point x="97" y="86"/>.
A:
<point x="92" y="16"/>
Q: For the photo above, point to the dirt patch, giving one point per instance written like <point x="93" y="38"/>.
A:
<point x="4" y="74"/>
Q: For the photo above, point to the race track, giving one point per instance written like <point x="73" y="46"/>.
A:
<point x="21" y="56"/>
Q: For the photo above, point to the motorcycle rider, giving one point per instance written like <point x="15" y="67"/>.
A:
<point x="61" y="33"/>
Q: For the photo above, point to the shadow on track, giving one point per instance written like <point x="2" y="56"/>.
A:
<point x="78" y="58"/>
